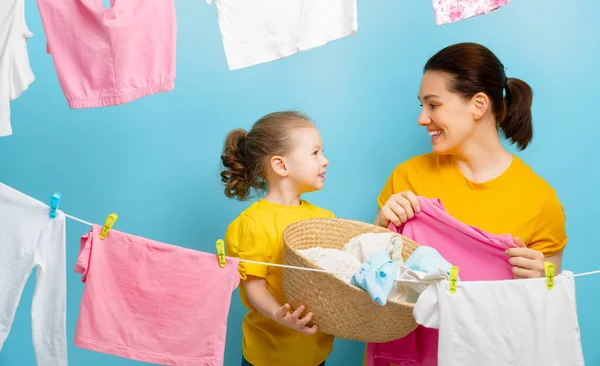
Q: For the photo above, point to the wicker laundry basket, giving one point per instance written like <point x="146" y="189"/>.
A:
<point x="339" y="308"/>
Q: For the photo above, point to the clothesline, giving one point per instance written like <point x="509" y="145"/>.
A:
<point x="262" y="263"/>
<point x="79" y="220"/>
<point x="586" y="273"/>
<point x="314" y="269"/>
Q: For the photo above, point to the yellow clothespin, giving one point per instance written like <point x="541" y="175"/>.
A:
<point x="221" y="252"/>
<point x="549" y="271"/>
<point x="453" y="278"/>
<point x="108" y="224"/>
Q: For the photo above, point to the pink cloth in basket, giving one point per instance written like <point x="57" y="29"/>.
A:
<point x="479" y="255"/>
<point x="153" y="302"/>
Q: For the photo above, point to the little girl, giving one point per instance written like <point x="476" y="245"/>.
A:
<point x="283" y="155"/>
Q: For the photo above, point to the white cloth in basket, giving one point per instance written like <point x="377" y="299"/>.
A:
<point x="342" y="264"/>
<point x="348" y="261"/>
<point x="365" y="245"/>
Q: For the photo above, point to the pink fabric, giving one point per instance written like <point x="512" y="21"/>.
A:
<point x="105" y="57"/>
<point x="450" y="11"/>
<point x="480" y="256"/>
<point x="153" y="302"/>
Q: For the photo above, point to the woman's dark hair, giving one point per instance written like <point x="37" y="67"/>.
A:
<point x="246" y="154"/>
<point x="473" y="68"/>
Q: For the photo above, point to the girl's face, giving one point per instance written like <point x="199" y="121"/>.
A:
<point x="447" y="116"/>
<point x="306" y="163"/>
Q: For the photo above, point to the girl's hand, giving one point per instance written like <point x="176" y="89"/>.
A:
<point x="527" y="263"/>
<point x="293" y="320"/>
<point x="399" y="209"/>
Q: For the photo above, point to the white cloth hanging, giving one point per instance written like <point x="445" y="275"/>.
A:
<point x="15" y="71"/>
<point x="29" y="238"/>
<point x="260" y="31"/>
<point x="511" y="322"/>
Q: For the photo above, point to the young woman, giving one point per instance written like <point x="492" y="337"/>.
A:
<point x="468" y="102"/>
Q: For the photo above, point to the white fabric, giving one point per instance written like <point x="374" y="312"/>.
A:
<point x="512" y="322"/>
<point x="342" y="264"/>
<point x="15" y="71"/>
<point x="346" y="262"/>
<point x="260" y="31"/>
<point x="28" y="239"/>
<point x="363" y="246"/>
<point x="410" y="291"/>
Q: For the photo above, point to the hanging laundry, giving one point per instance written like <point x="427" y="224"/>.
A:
<point x="450" y="11"/>
<point x="479" y="255"/>
<point x="15" y="71"/>
<point x="260" y="31"/>
<point x="410" y="283"/>
<point x="106" y="57"/>
<point x="28" y="239"/>
<point x="153" y="302"/>
<point x="479" y="325"/>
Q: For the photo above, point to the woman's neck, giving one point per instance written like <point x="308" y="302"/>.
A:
<point x="481" y="160"/>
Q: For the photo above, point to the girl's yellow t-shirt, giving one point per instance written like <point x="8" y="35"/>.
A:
<point x="257" y="235"/>
<point x="518" y="202"/>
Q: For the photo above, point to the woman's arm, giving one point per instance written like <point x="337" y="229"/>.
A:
<point x="377" y="217"/>
<point x="557" y="260"/>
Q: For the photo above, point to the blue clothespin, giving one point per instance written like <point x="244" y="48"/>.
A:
<point x="54" y="202"/>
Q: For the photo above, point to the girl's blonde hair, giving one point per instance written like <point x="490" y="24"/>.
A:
<point x="246" y="153"/>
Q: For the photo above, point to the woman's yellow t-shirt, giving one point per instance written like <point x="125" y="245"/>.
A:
<point x="518" y="202"/>
<point x="257" y="235"/>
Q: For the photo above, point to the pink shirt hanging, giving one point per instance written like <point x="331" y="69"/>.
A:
<point x="105" y="57"/>
<point x="479" y="256"/>
<point x="450" y="11"/>
<point x="153" y="302"/>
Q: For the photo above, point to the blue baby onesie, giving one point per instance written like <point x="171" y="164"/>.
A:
<point x="377" y="276"/>
<point x="426" y="259"/>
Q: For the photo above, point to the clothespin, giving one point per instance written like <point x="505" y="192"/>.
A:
<point x="549" y="271"/>
<point x="453" y="278"/>
<point x="108" y="224"/>
<point x="221" y="252"/>
<point x="54" y="202"/>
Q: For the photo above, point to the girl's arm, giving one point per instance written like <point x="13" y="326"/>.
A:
<point x="266" y="304"/>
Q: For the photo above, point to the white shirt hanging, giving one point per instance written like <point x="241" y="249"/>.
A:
<point x="260" y="31"/>
<point x="15" y="71"/>
<point x="30" y="238"/>
<point x="512" y="322"/>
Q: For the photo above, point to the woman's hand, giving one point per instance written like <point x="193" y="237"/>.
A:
<point x="527" y="263"/>
<point x="399" y="209"/>
<point x="293" y="320"/>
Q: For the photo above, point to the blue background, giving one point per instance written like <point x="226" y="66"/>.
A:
<point x="155" y="161"/>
